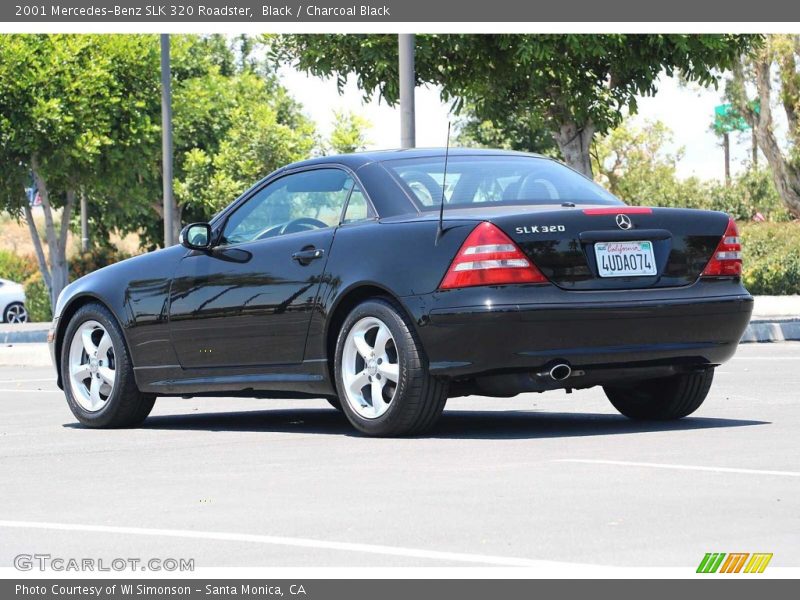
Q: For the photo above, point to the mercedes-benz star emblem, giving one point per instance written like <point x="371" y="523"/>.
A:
<point x="624" y="222"/>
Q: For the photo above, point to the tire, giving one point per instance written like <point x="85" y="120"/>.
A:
<point x="15" y="313"/>
<point x="334" y="402"/>
<point x="409" y="405"/>
<point x="664" y="399"/>
<point x="116" y="404"/>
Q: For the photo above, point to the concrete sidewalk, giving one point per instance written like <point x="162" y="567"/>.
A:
<point x="775" y="319"/>
<point x="776" y="308"/>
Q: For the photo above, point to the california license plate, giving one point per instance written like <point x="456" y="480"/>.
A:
<point x="625" y="259"/>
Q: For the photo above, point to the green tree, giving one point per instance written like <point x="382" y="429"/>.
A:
<point x="80" y="114"/>
<point x="259" y="130"/>
<point x="637" y="164"/>
<point x="349" y="132"/>
<point x="578" y="84"/>
<point x="633" y="162"/>
<point x="524" y="133"/>
<point x="71" y="108"/>
<point x="233" y="123"/>
<point x="779" y="55"/>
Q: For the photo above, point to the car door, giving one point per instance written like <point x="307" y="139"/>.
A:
<point x="248" y="301"/>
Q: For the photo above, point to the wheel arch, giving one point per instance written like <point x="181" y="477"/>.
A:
<point x="345" y="303"/>
<point x="69" y="310"/>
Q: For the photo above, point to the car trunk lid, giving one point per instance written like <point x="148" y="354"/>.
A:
<point x="614" y="247"/>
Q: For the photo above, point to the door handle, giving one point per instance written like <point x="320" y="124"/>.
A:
<point x="306" y="255"/>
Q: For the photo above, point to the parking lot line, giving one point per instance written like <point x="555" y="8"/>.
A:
<point x="506" y="561"/>
<point x="776" y="357"/>
<point x="14" y="390"/>
<point x="3" y="381"/>
<point x="623" y="463"/>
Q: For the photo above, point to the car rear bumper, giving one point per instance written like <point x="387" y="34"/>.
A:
<point x="598" y="333"/>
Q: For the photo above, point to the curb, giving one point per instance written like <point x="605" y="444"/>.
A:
<point x="758" y="331"/>
<point x="29" y="336"/>
<point x="782" y="330"/>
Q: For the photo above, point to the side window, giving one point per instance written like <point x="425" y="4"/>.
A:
<point x="298" y="202"/>
<point x="358" y="207"/>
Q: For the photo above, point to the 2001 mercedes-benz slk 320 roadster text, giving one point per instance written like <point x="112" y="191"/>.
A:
<point x="388" y="282"/>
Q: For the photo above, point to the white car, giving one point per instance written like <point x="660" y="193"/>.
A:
<point x="12" y="302"/>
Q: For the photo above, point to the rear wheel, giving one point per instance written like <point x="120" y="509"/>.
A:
<point x="98" y="373"/>
<point x="382" y="375"/>
<point x="662" y="399"/>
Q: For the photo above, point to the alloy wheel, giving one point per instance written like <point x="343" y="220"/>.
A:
<point x="370" y="368"/>
<point x="16" y="313"/>
<point x="92" y="366"/>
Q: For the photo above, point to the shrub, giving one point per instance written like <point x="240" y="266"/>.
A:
<point x="15" y="267"/>
<point x="37" y="299"/>
<point x="750" y="193"/>
<point x="771" y="257"/>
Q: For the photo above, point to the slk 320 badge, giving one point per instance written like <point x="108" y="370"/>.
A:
<point x="541" y="229"/>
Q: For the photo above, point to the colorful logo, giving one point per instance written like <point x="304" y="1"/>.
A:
<point x="734" y="562"/>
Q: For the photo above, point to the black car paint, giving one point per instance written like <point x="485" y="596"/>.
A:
<point x="277" y="340"/>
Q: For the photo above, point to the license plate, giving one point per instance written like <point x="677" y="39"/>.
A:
<point x="625" y="259"/>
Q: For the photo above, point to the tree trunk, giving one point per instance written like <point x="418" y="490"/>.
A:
<point x="575" y="142"/>
<point x="785" y="172"/>
<point x="56" y="273"/>
<point x="37" y="246"/>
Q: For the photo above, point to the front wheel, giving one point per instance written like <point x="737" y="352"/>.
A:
<point x="663" y="399"/>
<point x="98" y="374"/>
<point x="382" y="373"/>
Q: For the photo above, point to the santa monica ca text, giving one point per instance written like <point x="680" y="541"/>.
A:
<point x="243" y="589"/>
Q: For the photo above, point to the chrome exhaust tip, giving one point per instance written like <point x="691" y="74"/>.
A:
<point x="560" y="372"/>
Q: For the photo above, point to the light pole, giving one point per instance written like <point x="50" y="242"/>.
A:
<point x="84" y="223"/>
<point x="405" y="48"/>
<point x="166" y="142"/>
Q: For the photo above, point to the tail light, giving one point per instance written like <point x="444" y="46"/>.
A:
<point x="489" y="257"/>
<point x="727" y="258"/>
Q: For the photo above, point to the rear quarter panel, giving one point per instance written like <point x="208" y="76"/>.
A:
<point x="401" y="258"/>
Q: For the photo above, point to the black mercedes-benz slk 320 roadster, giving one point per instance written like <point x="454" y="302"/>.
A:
<point x="340" y="277"/>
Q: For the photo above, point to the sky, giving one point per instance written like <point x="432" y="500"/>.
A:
<point x="687" y="111"/>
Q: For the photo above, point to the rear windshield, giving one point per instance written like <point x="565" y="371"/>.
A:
<point x="492" y="180"/>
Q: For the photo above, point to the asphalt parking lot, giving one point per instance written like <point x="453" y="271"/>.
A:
<point x="552" y="477"/>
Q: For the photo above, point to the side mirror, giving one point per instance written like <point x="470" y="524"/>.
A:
<point x="196" y="236"/>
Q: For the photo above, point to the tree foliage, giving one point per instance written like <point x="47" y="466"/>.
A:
<point x="639" y="164"/>
<point x="577" y="84"/>
<point x="81" y="115"/>
<point x="233" y="123"/>
<point x="72" y="114"/>
<point x="349" y="132"/>
<point x="524" y="133"/>
<point x="633" y="161"/>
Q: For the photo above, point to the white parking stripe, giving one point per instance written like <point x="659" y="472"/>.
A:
<point x="53" y="379"/>
<point x="13" y="390"/>
<point x="776" y="357"/>
<point x="507" y="561"/>
<point x="624" y="463"/>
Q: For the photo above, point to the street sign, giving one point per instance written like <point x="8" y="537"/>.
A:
<point x="728" y="119"/>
